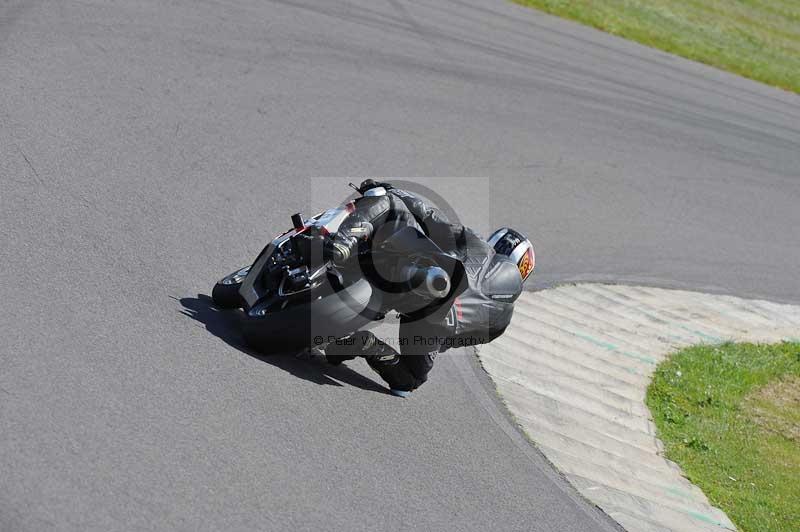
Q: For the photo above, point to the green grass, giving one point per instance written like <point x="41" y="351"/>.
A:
<point x="729" y="415"/>
<point x="759" y="39"/>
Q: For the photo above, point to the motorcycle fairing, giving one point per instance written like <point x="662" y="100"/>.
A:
<point x="327" y="222"/>
<point x="412" y="242"/>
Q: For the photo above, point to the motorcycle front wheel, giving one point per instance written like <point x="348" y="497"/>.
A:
<point x="226" y="292"/>
<point x="311" y="322"/>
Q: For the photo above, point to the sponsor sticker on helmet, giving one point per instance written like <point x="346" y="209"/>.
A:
<point x="525" y="264"/>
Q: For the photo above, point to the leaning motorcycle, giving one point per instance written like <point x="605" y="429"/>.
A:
<point x="293" y="296"/>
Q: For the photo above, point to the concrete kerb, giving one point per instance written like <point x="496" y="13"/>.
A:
<point x="573" y="370"/>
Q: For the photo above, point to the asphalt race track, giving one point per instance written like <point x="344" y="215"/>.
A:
<point x="149" y="147"/>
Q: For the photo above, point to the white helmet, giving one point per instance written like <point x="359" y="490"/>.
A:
<point x="517" y="247"/>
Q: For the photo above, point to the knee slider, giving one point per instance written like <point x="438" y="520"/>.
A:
<point x="381" y="355"/>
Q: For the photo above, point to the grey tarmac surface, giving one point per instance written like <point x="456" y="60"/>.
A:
<point x="149" y="147"/>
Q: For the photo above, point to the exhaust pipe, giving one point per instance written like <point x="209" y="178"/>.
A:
<point x="432" y="282"/>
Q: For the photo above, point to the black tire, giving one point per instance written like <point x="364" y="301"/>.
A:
<point x="227" y="295"/>
<point x="312" y="323"/>
<point x="226" y="291"/>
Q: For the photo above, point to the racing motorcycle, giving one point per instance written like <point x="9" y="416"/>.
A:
<point x="293" y="296"/>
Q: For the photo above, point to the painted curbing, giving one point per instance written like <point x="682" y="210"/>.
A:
<point x="573" y="369"/>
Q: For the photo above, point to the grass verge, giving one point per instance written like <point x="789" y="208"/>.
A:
<point x="758" y="39"/>
<point x="729" y="415"/>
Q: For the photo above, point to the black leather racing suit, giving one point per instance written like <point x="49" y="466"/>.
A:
<point x="476" y="316"/>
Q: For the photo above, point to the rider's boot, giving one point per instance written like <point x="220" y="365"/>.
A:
<point x="380" y="356"/>
<point x="335" y="354"/>
<point x="349" y="347"/>
<point x="387" y="363"/>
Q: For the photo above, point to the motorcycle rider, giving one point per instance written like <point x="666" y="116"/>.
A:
<point x="494" y="272"/>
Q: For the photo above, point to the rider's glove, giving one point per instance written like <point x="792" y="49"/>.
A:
<point x="345" y="243"/>
<point x="340" y="249"/>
